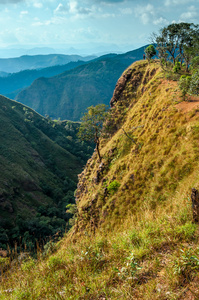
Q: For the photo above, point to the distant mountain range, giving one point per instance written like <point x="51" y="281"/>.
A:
<point x="25" y="62"/>
<point x="12" y="84"/>
<point x="69" y="94"/>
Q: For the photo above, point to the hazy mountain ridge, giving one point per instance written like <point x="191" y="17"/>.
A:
<point x="12" y="84"/>
<point x="68" y="95"/>
<point x="26" y="62"/>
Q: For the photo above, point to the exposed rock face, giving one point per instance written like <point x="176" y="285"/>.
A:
<point x="132" y="76"/>
<point x="120" y="86"/>
<point x="195" y="204"/>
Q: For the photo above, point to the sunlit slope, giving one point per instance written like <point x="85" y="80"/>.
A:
<point x="134" y="236"/>
<point x="163" y="160"/>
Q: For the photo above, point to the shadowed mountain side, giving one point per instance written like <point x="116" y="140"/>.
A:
<point x="12" y="84"/>
<point x="40" y="160"/>
<point x="69" y="94"/>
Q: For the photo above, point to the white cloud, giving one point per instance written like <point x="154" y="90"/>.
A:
<point x="161" y="21"/>
<point x="24" y="12"/>
<point x="72" y="7"/>
<point x="126" y="11"/>
<point x="189" y="15"/>
<point x="77" y="11"/>
<point x="150" y="14"/>
<point x="61" y="8"/>
<point x="178" y="2"/>
<point x="38" y="5"/>
<point x="10" y="1"/>
<point x="145" y="13"/>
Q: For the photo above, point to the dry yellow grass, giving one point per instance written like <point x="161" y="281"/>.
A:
<point x="134" y="236"/>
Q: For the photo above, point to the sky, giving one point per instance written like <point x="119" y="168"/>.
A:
<point x="119" y="24"/>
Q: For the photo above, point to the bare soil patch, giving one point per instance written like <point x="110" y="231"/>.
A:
<point x="186" y="106"/>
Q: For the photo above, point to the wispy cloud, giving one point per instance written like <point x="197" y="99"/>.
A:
<point x="191" y="15"/>
<point x="179" y="2"/>
<point x="10" y="1"/>
<point x="38" y="5"/>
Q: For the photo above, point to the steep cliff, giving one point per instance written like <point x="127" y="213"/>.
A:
<point x="151" y="156"/>
<point x="134" y="235"/>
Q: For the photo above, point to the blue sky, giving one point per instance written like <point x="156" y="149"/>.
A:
<point x="89" y="23"/>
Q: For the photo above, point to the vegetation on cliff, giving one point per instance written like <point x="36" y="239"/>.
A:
<point x="40" y="160"/>
<point x="134" y="235"/>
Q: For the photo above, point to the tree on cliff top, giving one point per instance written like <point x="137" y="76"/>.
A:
<point x="150" y="52"/>
<point x="92" y="123"/>
<point x="177" y="42"/>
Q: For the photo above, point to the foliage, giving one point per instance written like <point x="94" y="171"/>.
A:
<point x="145" y="243"/>
<point x="194" y="84"/>
<point x="195" y="62"/>
<point x="177" y="67"/>
<point x="184" y="85"/>
<point x="178" y="41"/>
<point x="113" y="187"/>
<point x="187" y="264"/>
<point x="150" y="52"/>
<point x="92" y="124"/>
<point x="71" y="209"/>
<point x="36" y="156"/>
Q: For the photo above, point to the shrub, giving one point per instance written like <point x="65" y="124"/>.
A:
<point x="113" y="187"/>
<point x="184" y="84"/>
<point x="177" y="67"/>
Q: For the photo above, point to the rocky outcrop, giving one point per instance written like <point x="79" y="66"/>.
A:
<point x="132" y="76"/>
<point x="120" y="86"/>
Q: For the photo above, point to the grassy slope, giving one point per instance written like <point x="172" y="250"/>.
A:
<point x="69" y="94"/>
<point x="34" y="163"/>
<point x="145" y="243"/>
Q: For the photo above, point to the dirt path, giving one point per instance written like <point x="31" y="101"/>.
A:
<point x="187" y="106"/>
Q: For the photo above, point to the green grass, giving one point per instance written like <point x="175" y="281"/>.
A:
<point x="134" y="236"/>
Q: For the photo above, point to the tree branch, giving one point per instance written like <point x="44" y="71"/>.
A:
<point x="129" y="136"/>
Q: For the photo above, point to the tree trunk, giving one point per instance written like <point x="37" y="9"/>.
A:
<point x="98" y="152"/>
<point x="187" y="66"/>
<point x="195" y="204"/>
<point x="97" y="145"/>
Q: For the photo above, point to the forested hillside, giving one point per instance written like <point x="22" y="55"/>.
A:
<point x="40" y="160"/>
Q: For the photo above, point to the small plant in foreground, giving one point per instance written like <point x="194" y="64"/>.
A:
<point x="130" y="268"/>
<point x="187" y="264"/>
<point x="113" y="187"/>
